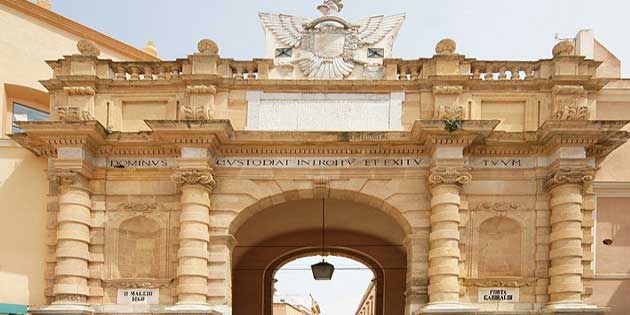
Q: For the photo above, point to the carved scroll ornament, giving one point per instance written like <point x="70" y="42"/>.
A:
<point x="446" y="112"/>
<point x="580" y="176"/>
<point x="449" y="176"/>
<point x="194" y="177"/>
<point x="199" y="112"/>
<point x="64" y="177"/>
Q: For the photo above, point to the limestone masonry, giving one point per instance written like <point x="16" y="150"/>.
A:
<point x="181" y="186"/>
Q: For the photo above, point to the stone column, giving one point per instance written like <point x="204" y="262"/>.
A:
<point x="445" y="182"/>
<point x="565" y="272"/>
<point x="192" y="269"/>
<point x="73" y="240"/>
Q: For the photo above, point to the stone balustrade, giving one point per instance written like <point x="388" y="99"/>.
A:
<point x="150" y="70"/>
<point x="505" y="70"/>
<point x="245" y="70"/>
<point x="398" y="69"/>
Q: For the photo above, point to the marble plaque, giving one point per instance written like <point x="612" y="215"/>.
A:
<point x="138" y="296"/>
<point x="494" y="295"/>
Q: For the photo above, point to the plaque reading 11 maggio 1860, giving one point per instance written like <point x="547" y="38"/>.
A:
<point x="138" y="296"/>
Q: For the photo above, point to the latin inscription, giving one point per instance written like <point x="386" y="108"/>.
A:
<point x="490" y="295"/>
<point x="138" y="296"/>
<point x="345" y="162"/>
<point x="504" y="163"/>
<point x="142" y="162"/>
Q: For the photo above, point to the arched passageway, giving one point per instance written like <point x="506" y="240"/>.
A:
<point x="274" y="236"/>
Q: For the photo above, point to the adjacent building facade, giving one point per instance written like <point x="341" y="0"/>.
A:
<point x="467" y="186"/>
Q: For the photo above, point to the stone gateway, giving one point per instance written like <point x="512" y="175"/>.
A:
<point x="467" y="186"/>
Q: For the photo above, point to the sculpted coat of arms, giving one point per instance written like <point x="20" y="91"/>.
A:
<point x="329" y="44"/>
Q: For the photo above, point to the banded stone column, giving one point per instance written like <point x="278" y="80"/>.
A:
<point x="445" y="182"/>
<point x="73" y="239"/>
<point x="565" y="272"/>
<point x="192" y="269"/>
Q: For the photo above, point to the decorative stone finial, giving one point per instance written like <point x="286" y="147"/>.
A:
<point x="207" y="47"/>
<point x="330" y="7"/>
<point x="46" y="4"/>
<point x="151" y="49"/>
<point x="446" y="46"/>
<point x="563" y="48"/>
<point x="88" y="48"/>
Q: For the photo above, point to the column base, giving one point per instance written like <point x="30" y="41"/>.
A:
<point x="447" y="308"/>
<point x="195" y="309"/>
<point x="573" y="308"/>
<point x="70" y="309"/>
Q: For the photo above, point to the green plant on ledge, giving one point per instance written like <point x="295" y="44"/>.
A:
<point x="452" y="124"/>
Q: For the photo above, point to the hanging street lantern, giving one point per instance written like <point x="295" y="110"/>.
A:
<point x="323" y="270"/>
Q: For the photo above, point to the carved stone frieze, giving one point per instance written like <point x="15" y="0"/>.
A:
<point x="442" y="175"/>
<point x="507" y="282"/>
<point x="79" y="90"/>
<point x="199" y="112"/>
<point x="201" y="89"/>
<point x="569" y="109"/>
<point x="498" y="206"/>
<point x="448" y="90"/>
<point x="446" y="112"/>
<point x="139" y="207"/>
<point x="581" y="176"/>
<point x="73" y="113"/>
<point x="138" y="283"/>
<point x="563" y="48"/>
<point x="194" y="177"/>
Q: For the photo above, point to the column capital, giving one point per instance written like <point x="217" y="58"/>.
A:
<point x="570" y="175"/>
<point x="449" y="175"/>
<point x="203" y="178"/>
<point x="68" y="177"/>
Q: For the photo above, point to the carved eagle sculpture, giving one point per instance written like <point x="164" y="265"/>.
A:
<point x="328" y="43"/>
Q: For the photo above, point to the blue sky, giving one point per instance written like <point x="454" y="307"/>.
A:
<point x="485" y="29"/>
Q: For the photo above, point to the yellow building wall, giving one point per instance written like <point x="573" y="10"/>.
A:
<point x="25" y="44"/>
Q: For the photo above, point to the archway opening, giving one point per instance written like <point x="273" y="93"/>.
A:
<point x="352" y="286"/>
<point x="274" y="236"/>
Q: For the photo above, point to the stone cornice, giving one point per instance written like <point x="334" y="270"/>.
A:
<point x="44" y="137"/>
<point x="599" y="138"/>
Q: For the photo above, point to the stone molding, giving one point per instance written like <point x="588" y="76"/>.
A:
<point x="139" y="283"/>
<point x="195" y="177"/>
<point x="568" y="90"/>
<point x="443" y="175"/>
<point x="500" y="282"/>
<point x="79" y="90"/>
<point x="448" y="89"/>
<point x="568" y="175"/>
<point x="201" y="89"/>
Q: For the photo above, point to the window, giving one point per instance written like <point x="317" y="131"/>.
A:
<point x="376" y="53"/>
<point x="25" y="113"/>
<point x="284" y="52"/>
